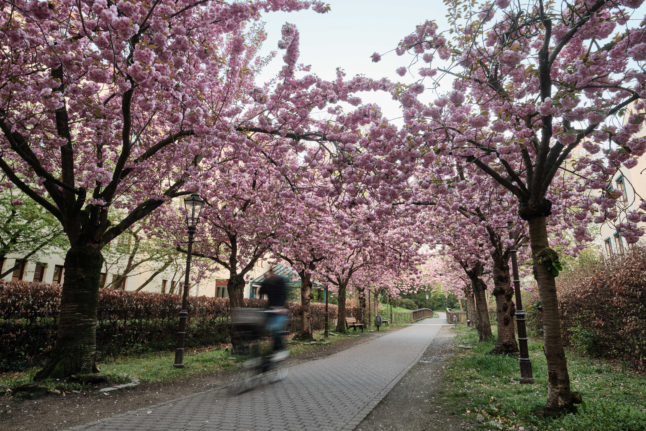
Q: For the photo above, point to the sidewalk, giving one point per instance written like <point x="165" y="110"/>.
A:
<point x="333" y="393"/>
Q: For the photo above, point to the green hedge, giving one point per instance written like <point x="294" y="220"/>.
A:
<point x="127" y="322"/>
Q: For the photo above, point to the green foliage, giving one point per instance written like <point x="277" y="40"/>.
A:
<point x="26" y="228"/>
<point x="550" y="260"/>
<point x="487" y="385"/>
<point x="407" y="303"/>
<point x="584" y="341"/>
<point x="437" y="300"/>
<point x="534" y="316"/>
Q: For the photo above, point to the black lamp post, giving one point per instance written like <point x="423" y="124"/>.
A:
<point x="523" y="358"/>
<point x="327" y="314"/>
<point x="193" y="206"/>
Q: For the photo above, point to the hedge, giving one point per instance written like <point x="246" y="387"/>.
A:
<point x="127" y="322"/>
<point x="603" y="307"/>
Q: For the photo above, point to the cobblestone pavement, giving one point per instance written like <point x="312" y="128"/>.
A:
<point x="332" y="393"/>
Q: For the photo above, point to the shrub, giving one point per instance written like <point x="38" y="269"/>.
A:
<point x="408" y="304"/>
<point x="603" y="307"/>
<point x="534" y="316"/>
<point x="127" y="322"/>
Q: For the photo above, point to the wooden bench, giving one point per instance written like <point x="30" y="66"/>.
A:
<point x="351" y="322"/>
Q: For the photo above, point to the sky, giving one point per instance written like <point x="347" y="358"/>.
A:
<point x="347" y="36"/>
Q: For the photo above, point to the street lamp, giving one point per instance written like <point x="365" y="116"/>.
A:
<point x="523" y="358"/>
<point x="193" y="205"/>
<point x="327" y="314"/>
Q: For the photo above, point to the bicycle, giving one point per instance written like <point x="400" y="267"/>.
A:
<point x="263" y="366"/>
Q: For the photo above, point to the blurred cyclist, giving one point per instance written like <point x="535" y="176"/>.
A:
<point x="275" y="288"/>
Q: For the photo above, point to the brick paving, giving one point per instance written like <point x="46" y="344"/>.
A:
<point x="332" y="393"/>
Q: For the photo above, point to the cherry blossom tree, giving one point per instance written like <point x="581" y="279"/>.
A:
<point x="113" y="106"/>
<point x="304" y="245"/>
<point x="534" y="82"/>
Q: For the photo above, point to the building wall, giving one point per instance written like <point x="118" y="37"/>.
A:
<point x="206" y="286"/>
<point x="634" y="181"/>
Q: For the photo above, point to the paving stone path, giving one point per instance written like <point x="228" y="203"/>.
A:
<point x="332" y="393"/>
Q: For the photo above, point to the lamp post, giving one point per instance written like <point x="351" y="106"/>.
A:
<point x="193" y="205"/>
<point x="523" y="358"/>
<point x="327" y="314"/>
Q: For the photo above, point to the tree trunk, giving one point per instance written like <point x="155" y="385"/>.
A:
<point x="559" y="395"/>
<point x="235" y="288"/>
<point x="484" y="325"/>
<point x="306" y="313"/>
<point x="479" y="292"/>
<point x="340" y="321"/>
<point x="505" y="308"/>
<point x="472" y="317"/>
<point x="361" y="293"/>
<point x="75" y="348"/>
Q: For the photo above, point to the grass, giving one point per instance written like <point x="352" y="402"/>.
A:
<point x="485" y="389"/>
<point x="158" y="366"/>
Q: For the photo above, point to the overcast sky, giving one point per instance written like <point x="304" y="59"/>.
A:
<point x="347" y="36"/>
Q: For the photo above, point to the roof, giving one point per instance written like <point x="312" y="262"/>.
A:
<point x="290" y="275"/>
<point x="292" y="278"/>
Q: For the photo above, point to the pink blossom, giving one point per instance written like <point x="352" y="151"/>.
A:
<point x="456" y="97"/>
<point x="632" y="3"/>
<point x="638" y="52"/>
<point x="375" y="57"/>
<point x="631" y="163"/>
<point x="545" y="108"/>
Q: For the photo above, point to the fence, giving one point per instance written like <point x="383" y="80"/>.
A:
<point x="422" y="313"/>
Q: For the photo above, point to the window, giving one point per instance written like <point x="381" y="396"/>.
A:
<point x="619" y="245"/>
<point x="163" y="286"/>
<point x="19" y="269"/>
<point x="39" y="272"/>
<point x="102" y="279"/>
<point x="58" y="274"/>
<point x="621" y="188"/>
<point x="221" y="289"/>
<point x="255" y="291"/>
<point x="608" y="246"/>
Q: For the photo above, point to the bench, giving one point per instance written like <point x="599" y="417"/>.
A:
<point x="351" y="322"/>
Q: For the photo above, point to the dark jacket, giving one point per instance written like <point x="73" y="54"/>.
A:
<point x="276" y="290"/>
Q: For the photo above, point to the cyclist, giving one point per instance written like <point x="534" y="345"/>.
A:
<point x="275" y="288"/>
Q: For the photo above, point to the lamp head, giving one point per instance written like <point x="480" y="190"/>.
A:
<point x="193" y="205"/>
